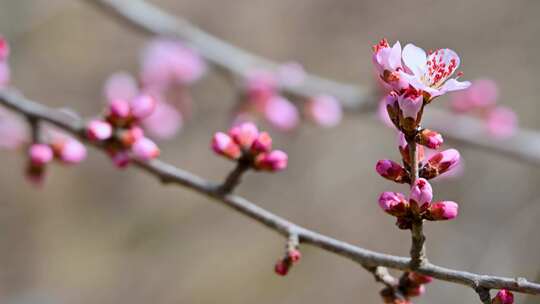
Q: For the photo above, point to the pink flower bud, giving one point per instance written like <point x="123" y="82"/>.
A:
<point x="244" y="134"/>
<point x="98" y="130"/>
<point x="421" y="193"/>
<point x="71" y="151"/>
<point x="325" y="110"/>
<point x="393" y="203"/>
<point x="119" y="109"/>
<point x="143" y="106"/>
<point x="120" y="159"/>
<point x="503" y="297"/>
<point x="391" y="170"/>
<point x="273" y="161"/>
<point x="263" y="143"/>
<point x="430" y="139"/>
<point x="281" y="113"/>
<point x="416" y="291"/>
<point x="282" y="267"/>
<point x="444" y="161"/>
<point x="441" y="211"/>
<point x="418" y="279"/>
<point x="130" y="136"/>
<point x="145" y="149"/>
<point x="294" y="255"/>
<point x="165" y="122"/>
<point x="4" y="49"/>
<point x="223" y="144"/>
<point x="410" y="103"/>
<point x="40" y="154"/>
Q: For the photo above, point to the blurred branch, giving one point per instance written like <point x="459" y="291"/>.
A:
<point x="169" y="174"/>
<point x="147" y="18"/>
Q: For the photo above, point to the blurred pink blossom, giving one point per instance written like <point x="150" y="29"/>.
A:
<point x="260" y="85"/>
<point x="164" y="122"/>
<point x="4" y="49"/>
<point x="502" y="122"/>
<point x="166" y="62"/>
<point x="281" y="113"/>
<point x="120" y="86"/>
<point x="325" y="110"/>
<point x="5" y="74"/>
<point x="482" y="93"/>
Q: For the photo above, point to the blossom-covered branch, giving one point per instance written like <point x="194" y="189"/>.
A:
<point x="169" y="174"/>
<point x="524" y="145"/>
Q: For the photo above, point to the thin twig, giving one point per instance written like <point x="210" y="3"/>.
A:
<point x="234" y="178"/>
<point x="418" y="239"/>
<point x="172" y="175"/>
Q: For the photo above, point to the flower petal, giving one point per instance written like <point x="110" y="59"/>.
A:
<point x="394" y="58"/>
<point x="415" y="59"/>
<point x="441" y="65"/>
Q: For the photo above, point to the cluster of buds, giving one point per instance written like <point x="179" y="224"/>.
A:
<point x="410" y="285"/>
<point x="65" y="149"/>
<point x="262" y="96"/>
<point x="503" y="297"/>
<point x="244" y="143"/>
<point x="480" y="100"/>
<point x="120" y="132"/>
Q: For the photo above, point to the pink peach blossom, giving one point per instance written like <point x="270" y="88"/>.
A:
<point x="142" y="106"/>
<point x="223" y="144"/>
<point x="325" y="110"/>
<point x="387" y="62"/>
<point x="432" y="73"/>
<point x="260" y="85"/>
<point x="502" y="122"/>
<point x="410" y="103"/>
<point x="145" y="149"/>
<point x="98" y="130"/>
<point x="421" y="193"/>
<point x="281" y="113"/>
<point x="40" y="154"/>
<point x="263" y="143"/>
<point x="166" y="62"/>
<point x="165" y="122"/>
<point x="393" y="203"/>
<point x="120" y="86"/>
<point x="274" y="161"/>
<point x="244" y="134"/>
<point x="441" y="211"/>
<point x="71" y="151"/>
<point x="503" y="297"/>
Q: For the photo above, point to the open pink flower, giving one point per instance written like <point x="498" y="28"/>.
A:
<point x="387" y="62"/>
<point x="431" y="73"/>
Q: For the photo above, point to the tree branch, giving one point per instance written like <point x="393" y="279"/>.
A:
<point x="169" y="174"/>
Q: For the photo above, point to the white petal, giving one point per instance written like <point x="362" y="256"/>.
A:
<point x="394" y="60"/>
<point x="444" y="62"/>
<point x="415" y="59"/>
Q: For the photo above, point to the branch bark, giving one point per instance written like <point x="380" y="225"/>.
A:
<point x="170" y="174"/>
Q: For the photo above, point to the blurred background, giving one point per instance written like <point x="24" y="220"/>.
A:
<point x="95" y="234"/>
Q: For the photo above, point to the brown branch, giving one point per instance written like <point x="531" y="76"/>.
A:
<point x="147" y="18"/>
<point x="170" y="174"/>
<point x="418" y="239"/>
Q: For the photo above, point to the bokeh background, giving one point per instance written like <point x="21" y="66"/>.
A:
<point x="95" y="234"/>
